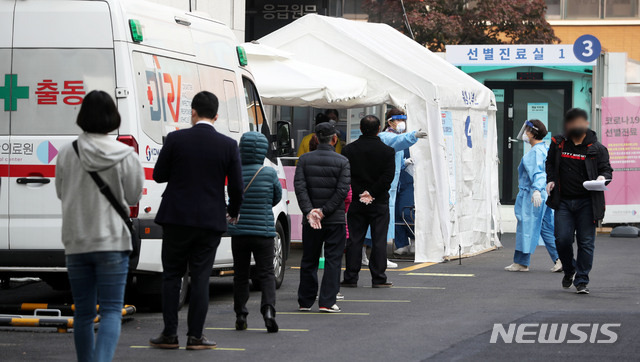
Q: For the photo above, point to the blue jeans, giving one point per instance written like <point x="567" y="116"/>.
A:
<point x="575" y="217"/>
<point x="97" y="278"/>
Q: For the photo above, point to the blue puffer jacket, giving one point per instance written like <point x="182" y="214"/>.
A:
<point x="256" y="215"/>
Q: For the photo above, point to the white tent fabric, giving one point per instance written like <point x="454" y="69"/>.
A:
<point x="285" y="81"/>
<point x="456" y="181"/>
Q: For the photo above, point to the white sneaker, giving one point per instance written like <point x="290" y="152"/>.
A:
<point x="557" y="267"/>
<point x="402" y="251"/>
<point x="333" y="309"/>
<point x="339" y="296"/>
<point x="516" y="268"/>
<point x="391" y="265"/>
<point x="365" y="260"/>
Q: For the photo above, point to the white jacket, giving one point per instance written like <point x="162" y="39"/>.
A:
<point x="89" y="222"/>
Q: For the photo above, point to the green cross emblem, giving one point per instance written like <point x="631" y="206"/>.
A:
<point x="10" y="92"/>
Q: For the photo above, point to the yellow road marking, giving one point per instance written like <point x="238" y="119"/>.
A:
<point x="363" y="269"/>
<point x="257" y="329"/>
<point x="441" y="274"/>
<point x="318" y="313"/>
<point x="376" y="301"/>
<point x="396" y="287"/>
<point x="213" y="349"/>
<point x="416" y="267"/>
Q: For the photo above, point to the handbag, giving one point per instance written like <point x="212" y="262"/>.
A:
<point x="134" y="256"/>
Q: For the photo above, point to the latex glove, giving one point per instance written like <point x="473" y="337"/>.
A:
<point x="550" y="186"/>
<point x="408" y="161"/>
<point x="421" y="134"/>
<point x="536" y="198"/>
<point x="600" y="178"/>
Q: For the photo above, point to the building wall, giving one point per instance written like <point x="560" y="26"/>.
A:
<point x="614" y="38"/>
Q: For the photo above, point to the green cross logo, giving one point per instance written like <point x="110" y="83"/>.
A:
<point x="10" y="92"/>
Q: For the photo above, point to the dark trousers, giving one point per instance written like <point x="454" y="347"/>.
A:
<point x="360" y="217"/>
<point x="181" y="247"/>
<point x="333" y="237"/>
<point x="263" y="254"/>
<point x="575" y="217"/>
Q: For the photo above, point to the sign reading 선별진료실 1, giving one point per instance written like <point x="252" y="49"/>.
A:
<point x="584" y="51"/>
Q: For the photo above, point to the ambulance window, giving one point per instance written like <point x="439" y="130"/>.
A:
<point x="233" y="114"/>
<point x="48" y="86"/>
<point x="164" y="88"/>
<point x="254" y="107"/>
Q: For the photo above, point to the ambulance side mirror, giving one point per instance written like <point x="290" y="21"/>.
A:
<point x="284" y="142"/>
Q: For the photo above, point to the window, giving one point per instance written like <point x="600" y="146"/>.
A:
<point x="592" y="9"/>
<point x="254" y="107"/>
<point x="621" y="9"/>
<point x="554" y="9"/>
<point x="582" y="9"/>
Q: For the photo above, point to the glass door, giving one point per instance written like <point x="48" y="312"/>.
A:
<point x="518" y="102"/>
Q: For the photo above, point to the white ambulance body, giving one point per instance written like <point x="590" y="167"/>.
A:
<point x="152" y="59"/>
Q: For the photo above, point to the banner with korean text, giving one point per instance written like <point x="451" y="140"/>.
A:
<point x="621" y="135"/>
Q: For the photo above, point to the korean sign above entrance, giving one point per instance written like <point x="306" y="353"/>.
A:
<point x="585" y="51"/>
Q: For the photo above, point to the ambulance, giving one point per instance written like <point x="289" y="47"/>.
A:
<point x="152" y="59"/>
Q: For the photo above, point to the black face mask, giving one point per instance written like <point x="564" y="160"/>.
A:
<point x="576" y="132"/>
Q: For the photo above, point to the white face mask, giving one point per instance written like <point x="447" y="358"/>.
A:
<point x="401" y="127"/>
<point x="525" y="138"/>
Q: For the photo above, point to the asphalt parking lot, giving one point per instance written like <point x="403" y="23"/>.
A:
<point x="440" y="312"/>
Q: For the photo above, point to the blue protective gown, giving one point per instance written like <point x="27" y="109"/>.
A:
<point x="533" y="222"/>
<point x="399" y="142"/>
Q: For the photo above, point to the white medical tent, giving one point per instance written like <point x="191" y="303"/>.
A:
<point x="456" y="180"/>
<point x="285" y="81"/>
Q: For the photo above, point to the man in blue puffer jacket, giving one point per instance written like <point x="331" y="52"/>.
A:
<point x="255" y="231"/>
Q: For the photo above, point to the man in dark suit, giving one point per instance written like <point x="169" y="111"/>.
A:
<point x="195" y="162"/>
<point x="372" y="171"/>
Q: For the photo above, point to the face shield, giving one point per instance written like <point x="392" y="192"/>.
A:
<point x="524" y="129"/>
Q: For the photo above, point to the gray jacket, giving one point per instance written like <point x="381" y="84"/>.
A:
<point x="89" y="222"/>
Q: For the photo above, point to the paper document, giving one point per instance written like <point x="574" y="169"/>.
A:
<point x="595" y="185"/>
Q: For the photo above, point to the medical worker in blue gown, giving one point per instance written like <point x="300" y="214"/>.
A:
<point x="395" y="135"/>
<point x="535" y="219"/>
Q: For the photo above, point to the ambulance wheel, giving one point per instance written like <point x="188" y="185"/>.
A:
<point x="278" y="260"/>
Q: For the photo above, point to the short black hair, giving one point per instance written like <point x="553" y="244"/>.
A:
<point x="205" y="104"/>
<point x="370" y="125"/>
<point x="98" y="113"/>
<point x="541" y="131"/>
<point x="321" y="118"/>
<point x="332" y="111"/>
<point x="574" y="113"/>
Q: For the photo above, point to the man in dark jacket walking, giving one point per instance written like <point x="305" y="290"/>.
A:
<point x="373" y="169"/>
<point x="255" y="231"/>
<point x="575" y="157"/>
<point x="322" y="182"/>
<point x="193" y="213"/>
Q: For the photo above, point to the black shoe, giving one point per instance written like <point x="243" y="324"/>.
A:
<point x="165" y="342"/>
<point x="270" y="320"/>
<point x="194" y="343"/>
<point x="241" y="322"/>
<point x="582" y="288"/>
<point x="382" y="285"/>
<point x="567" y="280"/>
<point x="348" y="285"/>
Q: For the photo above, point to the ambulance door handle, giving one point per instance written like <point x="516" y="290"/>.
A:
<point x="26" y="180"/>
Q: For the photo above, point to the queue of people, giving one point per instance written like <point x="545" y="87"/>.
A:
<point x="345" y="197"/>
